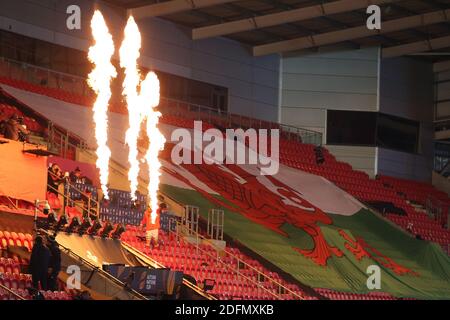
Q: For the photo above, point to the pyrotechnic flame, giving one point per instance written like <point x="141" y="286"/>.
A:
<point x="150" y="96"/>
<point x="129" y="53"/>
<point x="99" y="80"/>
<point x="141" y="106"/>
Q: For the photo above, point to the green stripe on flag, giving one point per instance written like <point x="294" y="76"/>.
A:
<point x="341" y="273"/>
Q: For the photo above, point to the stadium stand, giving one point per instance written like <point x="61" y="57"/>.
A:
<point x="369" y="190"/>
<point x="7" y="110"/>
<point x="11" y="267"/>
<point x="252" y="281"/>
<point x="295" y="154"/>
<point x="356" y="183"/>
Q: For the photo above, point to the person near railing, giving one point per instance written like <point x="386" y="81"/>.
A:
<point x="55" y="263"/>
<point x="89" y="207"/>
<point x="54" y="178"/>
<point x="75" y="176"/>
<point x="39" y="262"/>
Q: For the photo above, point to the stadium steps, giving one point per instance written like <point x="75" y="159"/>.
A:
<point x="120" y="174"/>
<point x="100" y="283"/>
<point x="361" y="189"/>
<point x="195" y="290"/>
<point x="14" y="262"/>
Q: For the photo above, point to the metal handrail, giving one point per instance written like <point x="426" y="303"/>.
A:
<point x="90" y="199"/>
<point x="200" y="112"/>
<point x="96" y="268"/>
<point x="32" y="66"/>
<point x="435" y="208"/>
<point x="243" y="262"/>
<point x="226" y="116"/>
<point x="13" y="204"/>
<point x="157" y="264"/>
<point x="65" y="143"/>
<point x="11" y="292"/>
<point x="239" y="260"/>
<point x="250" y="267"/>
<point x="67" y="198"/>
<point x="57" y="74"/>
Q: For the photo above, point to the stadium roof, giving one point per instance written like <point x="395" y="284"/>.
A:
<point x="419" y="27"/>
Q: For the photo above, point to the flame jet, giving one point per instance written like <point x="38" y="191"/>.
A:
<point x="129" y="53"/>
<point x="141" y="107"/>
<point x="150" y="95"/>
<point x="99" y="80"/>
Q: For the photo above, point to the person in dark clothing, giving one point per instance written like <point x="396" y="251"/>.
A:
<point x="75" y="176"/>
<point x="14" y="130"/>
<point x="54" y="179"/>
<point x="55" y="263"/>
<point x="319" y="155"/>
<point x="35" y="294"/>
<point x="82" y="295"/>
<point x="40" y="258"/>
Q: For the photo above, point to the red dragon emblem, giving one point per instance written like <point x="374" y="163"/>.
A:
<point x="247" y="195"/>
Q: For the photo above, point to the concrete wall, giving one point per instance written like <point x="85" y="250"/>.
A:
<point x="442" y="95"/>
<point x="316" y="82"/>
<point x="253" y="83"/>
<point x="361" y="158"/>
<point x="310" y="83"/>
<point x="358" y="80"/>
<point x="331" y="80"/>
<point x="406" y="90"/>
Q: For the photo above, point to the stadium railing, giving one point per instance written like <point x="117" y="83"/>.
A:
<point x="78" y="86"/>
<point x="155" y="264"/>
<point x="180" y="231"/>
<point x="104" y="278"/>
<point x="11" y="293"/>
<point x="91" y="203"/>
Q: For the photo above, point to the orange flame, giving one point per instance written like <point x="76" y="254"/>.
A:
<point x="99" y="80"/>
<point x="141" y="107"/>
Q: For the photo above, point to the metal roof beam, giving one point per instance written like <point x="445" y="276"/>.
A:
<point x="171" y="7"/>
<point x="353" y="33"/>
<point x="291" y="15"/>
<point x="416" y="47"/>
<point x="441" y="66"/>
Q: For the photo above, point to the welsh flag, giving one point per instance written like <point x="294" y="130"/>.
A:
<point x="312" y="230"/>
<point x="301" y="223"/>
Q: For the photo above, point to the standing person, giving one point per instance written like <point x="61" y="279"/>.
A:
<point x="319" y="155"/>
<point x="55" y="263"/>
<point x="39" y="261"/>
<point x="75" y="176"/>
<point x="54" y="179"/>
<point x="152" y="229"/>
